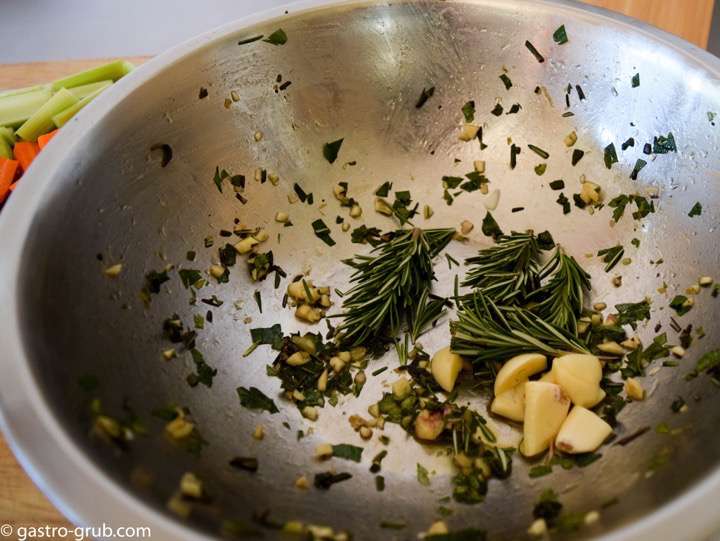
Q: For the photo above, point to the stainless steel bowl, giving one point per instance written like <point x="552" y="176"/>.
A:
<point x="356" y="71"/>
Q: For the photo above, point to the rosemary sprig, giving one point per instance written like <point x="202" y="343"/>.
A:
<point x="429" y="309"/>
<point x="562" y="295"/>
<point x="388" y="285"/>
<point x="486" y="332"/>
<point x="507" y="271"/>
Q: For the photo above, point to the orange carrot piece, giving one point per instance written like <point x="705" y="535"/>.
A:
<point x="8" y="168"/>
<point x="25" y="153"/>
<point x="45" y="139"/>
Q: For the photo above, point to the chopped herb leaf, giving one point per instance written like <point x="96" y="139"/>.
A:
<point x="384" y="189"/>
<point x="247" y="463"/>
<point x="330" y="150"/>
<point x="506" y="81"/>
<point x="347" y="451"/>
<point x="497" y="110"/>
<point x="630" y="313"/>
<point x="514" y="108"/>
<point x="540" y="152"/>
<point x="564" y="202"/>
<point x="468" y="111"/>
<point x="425" y="95"/>
<point x="611" y="256"/>
<point x="635" y="81"/>
<point x="212" y="301"/>
<point x="279" y="37"/>
<point x="560" y="36"/>
<point x="272" y="336"/>
<point x="363" y="234"/>
<point x="708" y="362"/>
<point x="322" y="232"/>
<point x="422" y="475"/>
<point x="379" y="483"/>
<point x="580" y="92"/>
<point x="635" y="242"/>
<point x="639" y="164"/>
<point x="680" y="304"/>
<point x="514" y="151"/>
<point x="696" y="210"/>
<point x="490" y="227"/>
<point x="558" y="184"/>
<point x="154" y="279"/>
<point x="250" y="40"/>
<point x="663" y="144"/>
<point x="577" y="155"/>
<point x="218" y="178"/>
<point x="204" y="373"/>
<point x="647" y="149"/>
<point x="629" y="143"/>
<point x="540" y="470"/>
<point x="189" y="277"/>
<point x="610" y="155"/>
<point x="450" y="183"/>
<point x="540" y="169"/>
<point x="258" y="299"/>
<point x="540" y="58"/>
<point x="327" y="479"/>
<point x="254" y="399"/>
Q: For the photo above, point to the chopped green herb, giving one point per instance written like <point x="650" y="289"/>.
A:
<point x="540" y="58"/>
<point x="250" y="40"/>
<point x="347" y="451"/>
<point x="514" y="108"/>
<point x="558" y="184"/>
<point x="560" y="36"/>
<point x="258" y="299"/>
<point x="422" y="475"/>
<point x="247" y="463"/>
<point x="490" y="227"/>
<point x="322" y="232"/>
<point x="212" y="301"/>
<point x="190" y="277"/>
<point x="327" y="479"/>
<point x="450" y="183"/>
<point x="218" y="178"/>
<point x="271" y="336"/>
<point x="377" y="461"/>
<point x="204" y="373"/>
<point x="629" y="143"/>
<point x="577" y="155"/>
<point x="708" y="362"/>
<point x="564" y="202"/>
<point x="639" y="164"/>
<point x="254" y="399"/>
<point x="540" y="152"/>
<point x="379" y="483"/>
<point x="425" y="95"/>
<point x="635" y="242"/>
<point x="611" y="256"/>
<point x="468" y="111"/>
<point x="279" y="37"/>
<point x="681" y="305"/>
<point x="635" y="81"/>
<point x="497" y="110"/>
<point x="506" y="81"/>
<point x="330" y="150"/>
<point x="663" y="145"/>
<point x="630" y="313"/>
<point x="540" y="169"/>
<point x="540" y="471"/>
<point x="384" y="189"/>
<point x="610" y="155"/>
<point x="696" y="210"/>
<point x="199" y="321"/>
<point x="514" y="151"/>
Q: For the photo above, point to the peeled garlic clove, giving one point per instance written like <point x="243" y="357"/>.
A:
<point x="546" y="407"/>
<point x="582" y="432"/>
<point x="517" y="370"/>
<point x="579" y="375"/>
<point x="510" y="404"/>
<point x="445" y="367"/>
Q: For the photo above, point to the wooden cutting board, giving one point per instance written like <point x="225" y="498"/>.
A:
<point x="21" y="503"/>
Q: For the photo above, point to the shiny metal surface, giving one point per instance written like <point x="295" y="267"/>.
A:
<point x="356" y="72"/>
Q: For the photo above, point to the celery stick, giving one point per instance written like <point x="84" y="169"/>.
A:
<point x="8" y="134"/>
<point x="62" y="117"/>
<point x="113" y="70"/>
<point x="17" y="108"/>
<point x="5" y="150"/>
<point x="16" y="91"/>
<point x="81" y="91"/>
<point x="41" y="121"/>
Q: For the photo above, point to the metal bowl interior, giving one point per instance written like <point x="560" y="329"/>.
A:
<point x="356" y="71"/>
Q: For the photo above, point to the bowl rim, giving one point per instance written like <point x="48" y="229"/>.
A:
<point x="73" y="483"/>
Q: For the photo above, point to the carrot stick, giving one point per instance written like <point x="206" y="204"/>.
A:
<point x="45" y="139"/>
<point x="25" y="153"/>
<point x="8" y="168"/>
